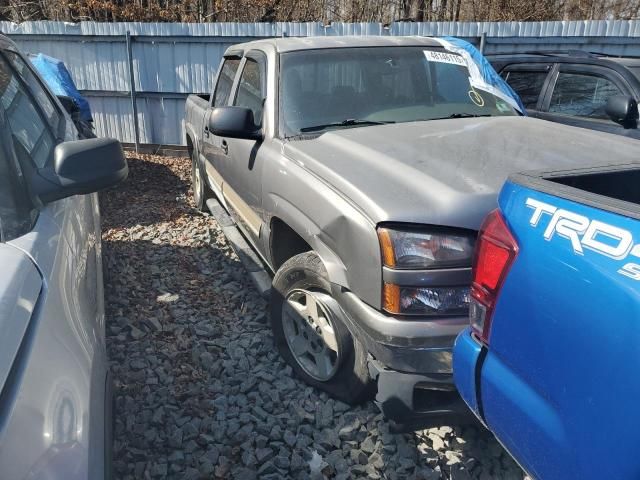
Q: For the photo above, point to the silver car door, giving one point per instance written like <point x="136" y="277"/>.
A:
<point x="20" y="287"/>
<point x="52" y="406"/>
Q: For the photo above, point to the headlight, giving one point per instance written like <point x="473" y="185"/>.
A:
<point x="414" y="249"/>
<point x="425" y="300"/>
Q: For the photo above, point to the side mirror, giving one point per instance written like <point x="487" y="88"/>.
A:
<point x="623" y="110"/>
<point x="81" y="167"/>
<point x="234" y="122"/>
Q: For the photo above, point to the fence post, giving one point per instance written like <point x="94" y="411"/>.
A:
<point x="483" y="42"/>
<point x="132" y="91"/>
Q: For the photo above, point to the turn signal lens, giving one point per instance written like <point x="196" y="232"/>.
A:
<point x="391" y="298"/>
<point x="386" y="247"/>
<point x="496" y="250"/>
<point x="426" y="301"/>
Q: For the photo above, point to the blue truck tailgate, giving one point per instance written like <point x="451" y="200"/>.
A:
<point x="556" y="375"/>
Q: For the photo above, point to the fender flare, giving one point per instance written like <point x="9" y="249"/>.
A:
<point x="190" y="134"/>
<point x="311" y="233"/>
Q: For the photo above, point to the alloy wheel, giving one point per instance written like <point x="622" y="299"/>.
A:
<point x="310" y="334"/>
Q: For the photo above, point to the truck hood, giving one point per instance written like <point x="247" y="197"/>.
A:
<point x="447" y="172"/>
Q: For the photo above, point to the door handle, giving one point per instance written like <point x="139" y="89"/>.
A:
<point x="225" y="147"/>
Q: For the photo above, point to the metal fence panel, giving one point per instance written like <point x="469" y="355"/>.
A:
<point x="171" y="60"/>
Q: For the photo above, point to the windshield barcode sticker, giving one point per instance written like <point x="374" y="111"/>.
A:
<point x="444" y="58"/>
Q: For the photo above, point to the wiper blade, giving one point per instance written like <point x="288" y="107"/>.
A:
<point x="467" y="115"/>
<point x="345" y="123"/>
<point x="460" y="115"/>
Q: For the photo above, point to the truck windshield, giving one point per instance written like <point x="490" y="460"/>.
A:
<point x="353" y="87"/>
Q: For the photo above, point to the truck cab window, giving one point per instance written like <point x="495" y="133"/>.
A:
<point x="250" y="91"/>
<point x="225" y="82"/>
<point x="527" y="84"/>
<point x="30" y="131"/>
<point x="582" y="95"/>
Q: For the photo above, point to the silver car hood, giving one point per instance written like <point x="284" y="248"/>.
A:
<point x="447" y="172"/>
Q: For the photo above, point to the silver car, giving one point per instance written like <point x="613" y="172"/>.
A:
<point x="55" y="396"/>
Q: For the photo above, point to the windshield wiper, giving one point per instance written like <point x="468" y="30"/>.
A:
<point x="467" y="115"/>
<point x="345" y="123"/>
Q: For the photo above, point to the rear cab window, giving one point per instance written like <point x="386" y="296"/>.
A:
<point x="527" y="82"/>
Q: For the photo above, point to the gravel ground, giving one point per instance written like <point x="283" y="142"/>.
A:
<point x="200" y="391"/>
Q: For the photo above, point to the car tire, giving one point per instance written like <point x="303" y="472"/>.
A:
<point x="301" y="285"/>
<point x="201" y="191"/>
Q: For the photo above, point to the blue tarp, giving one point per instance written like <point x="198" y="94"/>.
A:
<point x="54" y="72"/>
<point x="489" y="75"/>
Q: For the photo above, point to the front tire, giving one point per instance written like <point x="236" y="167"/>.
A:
<point x="310" y="333"/>
<point x="201" y="191"/>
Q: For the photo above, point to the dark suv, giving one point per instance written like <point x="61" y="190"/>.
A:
<point x="583" y="89"/>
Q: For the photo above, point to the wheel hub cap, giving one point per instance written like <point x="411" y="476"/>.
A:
<point x="310" y="335"/>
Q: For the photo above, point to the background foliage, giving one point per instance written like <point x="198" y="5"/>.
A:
<point x="385" y="11"/>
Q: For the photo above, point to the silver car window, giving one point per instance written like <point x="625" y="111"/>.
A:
<point x="17" y="214"/>
<point x="24" y="117"/>
<point x="53" y="115"/>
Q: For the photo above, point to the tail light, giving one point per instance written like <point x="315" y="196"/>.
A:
<point x="496" y="249"/>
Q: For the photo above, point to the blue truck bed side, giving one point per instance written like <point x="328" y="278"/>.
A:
<point x="556" y="379"/>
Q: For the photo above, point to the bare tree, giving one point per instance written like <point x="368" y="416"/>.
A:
<point x="385" y="11"/>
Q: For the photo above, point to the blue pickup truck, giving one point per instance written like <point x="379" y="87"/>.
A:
<point x="550" y="362"/>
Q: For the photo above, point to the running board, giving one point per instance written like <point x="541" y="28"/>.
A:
<point x="257" y="272"/>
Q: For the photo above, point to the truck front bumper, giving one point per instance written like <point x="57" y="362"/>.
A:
<point x="414" y="401"/>
<point x="411" y="363"/>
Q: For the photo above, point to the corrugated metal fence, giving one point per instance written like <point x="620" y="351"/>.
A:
<point x="171" y="60"/>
